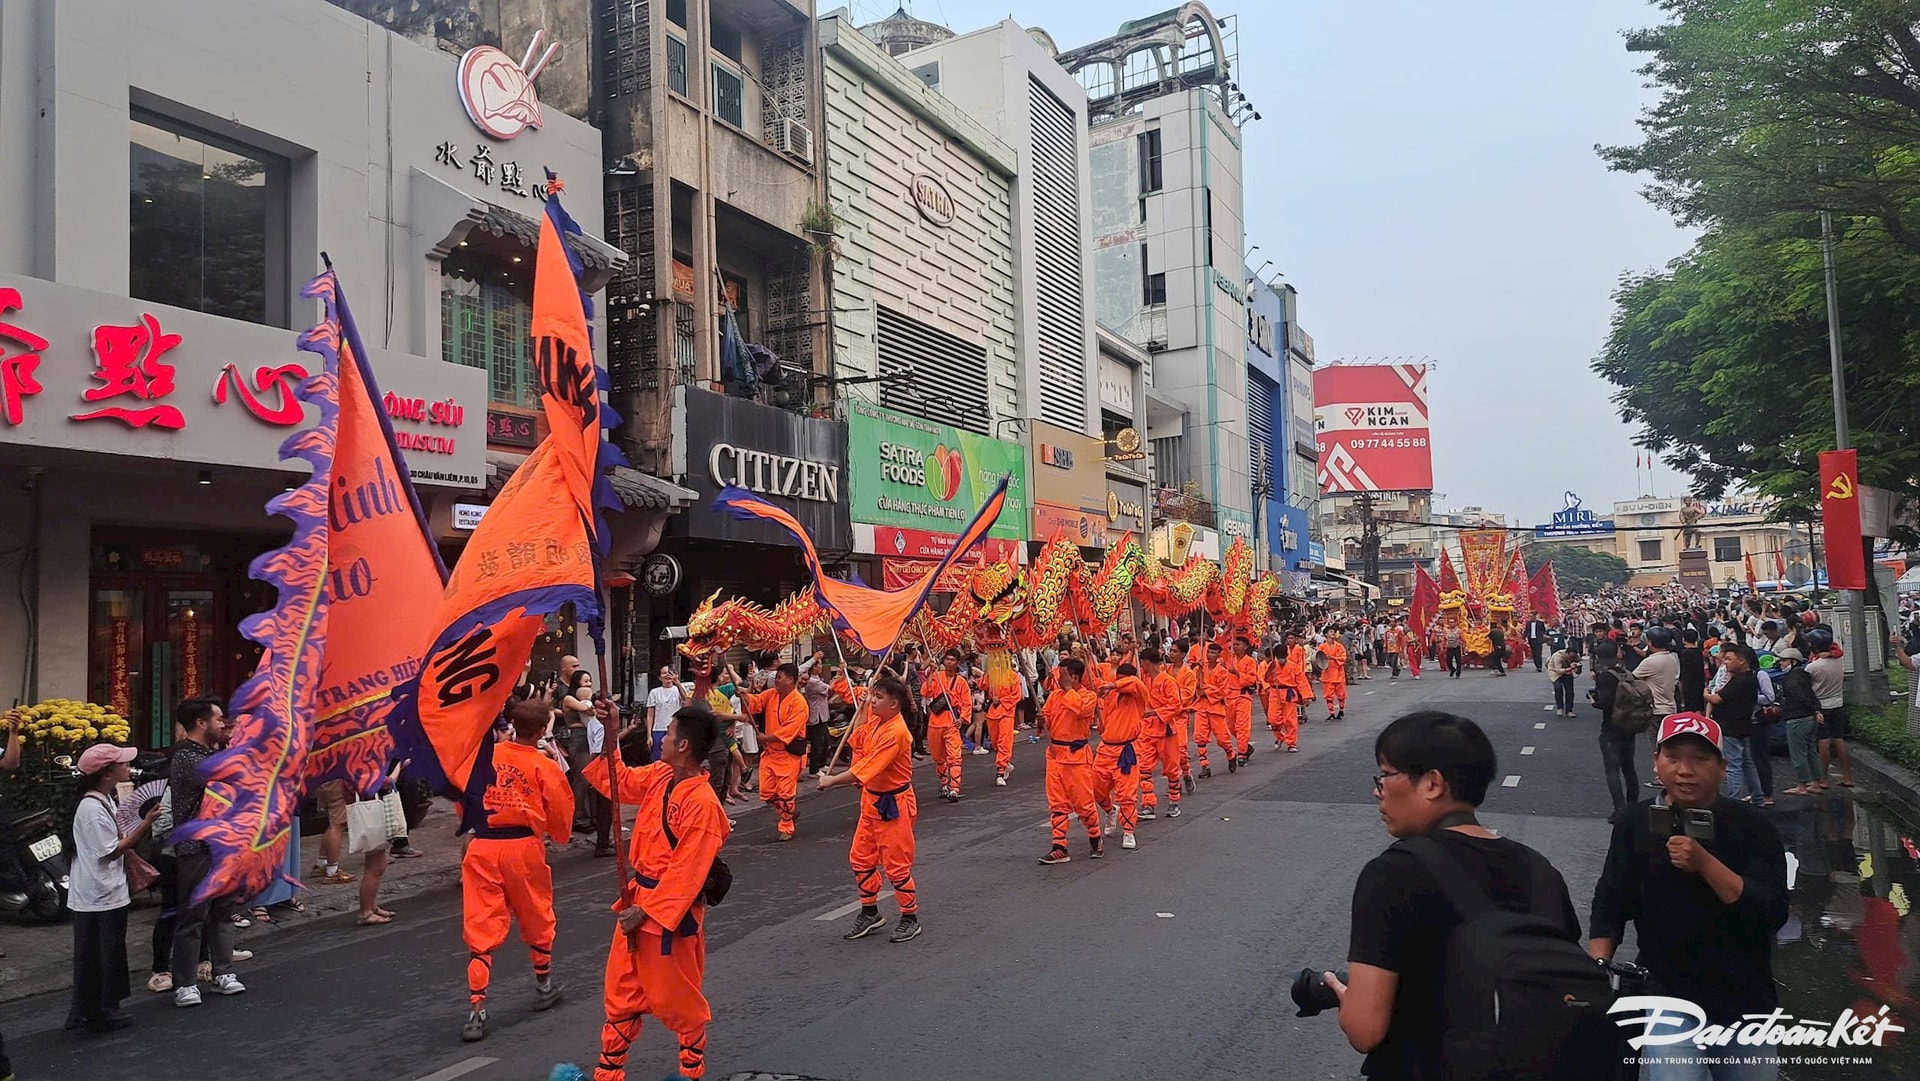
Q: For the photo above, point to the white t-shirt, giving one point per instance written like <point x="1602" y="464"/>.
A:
<point x="664" y="700"/>
<point x="96" y="884"/>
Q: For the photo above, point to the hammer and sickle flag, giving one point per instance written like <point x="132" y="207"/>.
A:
<point x="533" y="555"/>
<point x="1840" y="518"/>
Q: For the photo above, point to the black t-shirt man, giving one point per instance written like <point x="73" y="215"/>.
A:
<point x="1401" y="921"/>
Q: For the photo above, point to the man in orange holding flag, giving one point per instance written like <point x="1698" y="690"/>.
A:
<point x="883" y="839"/>
<point x="504" y="873"/>
<point x="783" y="746"/>
<point x="1333" y="681"/>
<point x="1212" y="709"/>
<point x="659" y="953"/>
<point x="949" y="704"/>
<point x="1069" y="712"/>
<point x="1163" y="740"/>
<point x="1123" y="707"/>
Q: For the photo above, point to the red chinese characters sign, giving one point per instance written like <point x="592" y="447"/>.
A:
<point x="269" y="397"/>
<point x="16" y="368"/>
<point x="119" y="690"/>
<point x="190" y="656"/>
<point x="128" y="366"/>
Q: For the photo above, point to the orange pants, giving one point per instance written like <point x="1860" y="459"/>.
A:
<point x="880" y="846"/>
<point x="1240" y="718"/>
<point x="1413" y="661"/>
<point x="1336" y="692"/>
<point x="1000" y="731"/>
<point x="499" y="880"/>
<point x="1165" y="753"/>
<point x="1212" y="727"/>
<point x="1283" y="716"/>
<point x="644" y="976"/>
<point x="944" y="741"/>
<point x="1113" y="788"/>
<point x="780" y="783"/>
<point x="1070" y="792"/>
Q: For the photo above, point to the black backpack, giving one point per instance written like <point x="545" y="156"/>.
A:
<point x="1521" y="1000"/>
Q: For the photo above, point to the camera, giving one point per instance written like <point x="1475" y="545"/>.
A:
<point x="1311" y="993"/>
<point x="1695" y="822"/>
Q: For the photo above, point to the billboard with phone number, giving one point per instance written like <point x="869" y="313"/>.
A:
<point x="1370" y="421"/>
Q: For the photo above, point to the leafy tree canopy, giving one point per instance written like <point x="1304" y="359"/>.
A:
<point x="1577" y="570"/>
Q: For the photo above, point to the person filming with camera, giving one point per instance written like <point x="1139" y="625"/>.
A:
<point x="1464" y="950"/>
<point x="1704" y="879"/>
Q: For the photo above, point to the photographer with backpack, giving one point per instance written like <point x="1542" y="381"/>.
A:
<point x="1704" y="880"/>
<point x="1626" y="709"/>
<point x="1464" y="957"/>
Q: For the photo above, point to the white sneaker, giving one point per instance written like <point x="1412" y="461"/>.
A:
<point x="981" y="750"/>
<point x="242" y="955"/>
<point x="1000" y="781"/>
<point x="228" y="984"/>
<point x="186" y="996"/>
<point x="1126" y="841"/>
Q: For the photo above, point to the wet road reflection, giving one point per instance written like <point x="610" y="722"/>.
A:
<point x="1851" y="940"/>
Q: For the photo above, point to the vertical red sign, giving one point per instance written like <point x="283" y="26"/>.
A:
<point x="1840" y="518"/>
<point x="190" y="657"/>
<point x="119" y="693"/>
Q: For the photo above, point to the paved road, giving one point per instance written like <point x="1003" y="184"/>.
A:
<point x="1172" y="960"/>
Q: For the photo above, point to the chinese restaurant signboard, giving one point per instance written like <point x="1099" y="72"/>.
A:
<point x="106" y="374"/>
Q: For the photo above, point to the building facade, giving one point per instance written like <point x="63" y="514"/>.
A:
<point x="1732" y="530"/>
<point x="163" y="314"/>
<point x="1168" y="242"/>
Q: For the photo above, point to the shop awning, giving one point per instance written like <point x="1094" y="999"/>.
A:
<point x="637" y="490"/>
<point x="437" y="201"/>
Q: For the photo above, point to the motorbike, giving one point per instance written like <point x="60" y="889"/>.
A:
<point x="33" y="865"/>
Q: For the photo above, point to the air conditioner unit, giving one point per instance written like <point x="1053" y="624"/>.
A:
<point x="794" y="139"/>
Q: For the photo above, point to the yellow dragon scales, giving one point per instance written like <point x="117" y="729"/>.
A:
<point x="1002" y="606"/>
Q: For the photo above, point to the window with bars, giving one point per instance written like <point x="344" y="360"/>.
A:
<point x="729" y="96"/>
<point x="486" y="325"/>
<point x="677" y="64"/>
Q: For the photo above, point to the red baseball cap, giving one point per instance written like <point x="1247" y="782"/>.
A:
<point x="1698" y="725"/>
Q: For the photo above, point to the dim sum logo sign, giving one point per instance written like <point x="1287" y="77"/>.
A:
<point x="498" y="93"/>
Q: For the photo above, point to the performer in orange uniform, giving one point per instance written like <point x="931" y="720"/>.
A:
<point x="505" y="867"/>
<point x="1246" y="683"/>
<point x="783" y="729"/>
<point x="1163" y="734"/>
<point x="943" y="726"/>
<point x="1069" y="711"/>
<point x="1212" y="710"/>
<point x="1333" y="681"/>
<point x="1123" y="707"/>
<point x="1188" y="678"/>
<point x="659" y="953"/>
<point x="1288" y="691"/>
<point x="1001" y="706"/>
<point x="883" y="839"/>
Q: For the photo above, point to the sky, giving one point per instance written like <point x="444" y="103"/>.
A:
<point x="1424" y="175"/>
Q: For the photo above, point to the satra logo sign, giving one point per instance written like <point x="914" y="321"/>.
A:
<point x="498" y="93"/>
<point x="1666" y="1021"/>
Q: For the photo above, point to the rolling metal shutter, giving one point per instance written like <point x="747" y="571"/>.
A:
<point x="1261" y="395"/>
<point x="948" y="380"/>
<point x="1056" y="294"/>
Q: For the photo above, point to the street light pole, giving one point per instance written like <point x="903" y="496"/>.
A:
<point x="1860" y="686"/>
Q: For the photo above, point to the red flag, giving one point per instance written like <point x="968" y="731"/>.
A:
<point x="1840" y="518"/>
<point x="1517" y="584"/>
<point x="1449" y="579"/>
<point x="1779" y="571"/>
<point x="1426" y="602"/>
<point x="1543" y="591"/>
<point x="1752" y="583"/>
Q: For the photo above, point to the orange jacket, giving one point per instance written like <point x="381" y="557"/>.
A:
<point x="786" y="718"/>
<point x="529" y="790"/>
<point x="1123" y="710"/>
<point x="1337" y="661"/>
<point x="1167" y="702"/>
<point x="699" y="825"/>
<point x="882" y="755"/>
<point x="1069" y="716"/>
<point x="957" y="692"/>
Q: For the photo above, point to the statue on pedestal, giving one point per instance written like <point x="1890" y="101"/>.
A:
<point x="1691" y="511"/>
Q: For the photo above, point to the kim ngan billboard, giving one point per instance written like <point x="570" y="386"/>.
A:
<point x="1370" y="421"/>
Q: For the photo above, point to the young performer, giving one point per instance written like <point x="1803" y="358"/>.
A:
<point x="1002" y="704"/>
<point x="1333" y="681"/>
<point x="1245" y="684"/>
<point x="1188" y="679"/>
<point x="1123" y="706"/>
<point x="783" y="745"/>
<point x="949" y="689"/>
<point x="1212" y="710"/>
<point x="505" y="867"/>
<point x="1163" y="741"/>
<point x="1069" y="711"/>
<point x="883" y="839"/>
<point x="1288" y="691"/>
<point x="659" y="953"/>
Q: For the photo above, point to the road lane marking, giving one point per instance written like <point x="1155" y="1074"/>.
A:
<point x="460" y="1069"/>
<point x="1543" y="709"/>
<point x="1512" y="781"/>
<point x="839" y="913"/>
<point x="1526" y="750"/>
<point x="1540" y="724"/>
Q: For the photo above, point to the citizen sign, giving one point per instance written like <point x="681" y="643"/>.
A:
<point x="773" y="474"/>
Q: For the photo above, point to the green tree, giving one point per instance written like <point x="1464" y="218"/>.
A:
<point x="1772" y="106"/>
<point x="1577" y="570"/>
